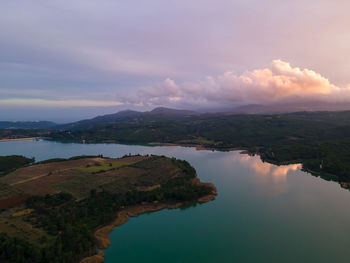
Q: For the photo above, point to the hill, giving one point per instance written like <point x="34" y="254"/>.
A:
<point x="49" y="211"/>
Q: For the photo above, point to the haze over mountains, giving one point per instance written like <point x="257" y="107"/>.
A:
<point x="168" y="113"/>
<point x="292" y="107"/>
<point x="26" y="124"/>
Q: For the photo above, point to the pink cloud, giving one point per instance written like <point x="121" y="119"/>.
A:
<point x="279" y="82"/>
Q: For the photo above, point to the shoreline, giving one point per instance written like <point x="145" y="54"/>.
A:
<point x="20" y="139"/>
<point x="199" y="147"/>
<point x="243" y="150"/>
<point x="328" y="177"/>
<point x="123" y="216"/>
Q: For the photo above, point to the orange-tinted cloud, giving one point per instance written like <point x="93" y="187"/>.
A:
<point x="283" y="81"/>
<point x="279" y="82"/>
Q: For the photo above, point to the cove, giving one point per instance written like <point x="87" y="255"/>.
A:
<point x="263" y="212"/>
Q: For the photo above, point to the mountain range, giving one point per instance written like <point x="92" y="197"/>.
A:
<point x="162" y="113"/>
<point x="131" y="116"/>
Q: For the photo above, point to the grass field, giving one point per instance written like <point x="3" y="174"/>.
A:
<point x="141" y="174"/>
<point x="75" y="176"/>
<point x="98" y="167"/>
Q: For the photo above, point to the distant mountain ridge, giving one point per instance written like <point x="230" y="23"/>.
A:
<point x="26" y="124"/>
<point x="309" y="106"/>
<point x="172" y="112"/>
<point x="164" y="114"/>
<point x="130" y="116"/>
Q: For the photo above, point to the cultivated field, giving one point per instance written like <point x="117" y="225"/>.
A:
<point x="77" y="177"/>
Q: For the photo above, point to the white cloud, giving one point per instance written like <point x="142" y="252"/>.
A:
<point x="279" y="82"/>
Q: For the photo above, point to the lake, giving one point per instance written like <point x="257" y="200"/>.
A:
<point x="263" y="212"/>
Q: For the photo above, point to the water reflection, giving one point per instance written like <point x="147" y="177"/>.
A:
<point x="273" y="178"/>
<point x="263" y="168"/>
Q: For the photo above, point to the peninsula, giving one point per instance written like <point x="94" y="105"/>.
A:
<point x="62" y="210"/>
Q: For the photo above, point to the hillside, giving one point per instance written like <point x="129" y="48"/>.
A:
<point x="49" y="211"/>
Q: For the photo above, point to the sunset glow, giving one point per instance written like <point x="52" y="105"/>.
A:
<point x="201" y="55"/>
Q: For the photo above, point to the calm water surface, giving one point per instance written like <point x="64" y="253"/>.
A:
<point x="263" y="213"/>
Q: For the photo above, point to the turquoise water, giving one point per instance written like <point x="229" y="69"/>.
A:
<point x="263" y="213"/>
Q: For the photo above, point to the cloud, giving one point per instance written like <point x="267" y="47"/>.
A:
<point x="45" y="103"/>
<point x="275" y="84"/>
<point x="278" y="83"/>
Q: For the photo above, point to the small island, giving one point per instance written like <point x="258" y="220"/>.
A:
<point x="62" y="210"/>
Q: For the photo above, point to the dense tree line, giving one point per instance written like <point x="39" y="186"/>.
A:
<point x="55" y="160"/>
<point x="13" y="162"/>
<point x="325" y="157"/>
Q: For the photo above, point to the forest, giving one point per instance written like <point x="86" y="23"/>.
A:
<point x="13" y="162"/>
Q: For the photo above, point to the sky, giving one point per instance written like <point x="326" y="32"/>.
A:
<point x="66" y="60"/>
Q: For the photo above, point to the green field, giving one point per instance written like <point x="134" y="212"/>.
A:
<point x="101" y="167"/>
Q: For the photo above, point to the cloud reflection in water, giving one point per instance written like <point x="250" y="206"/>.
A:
<point x="273" y="178"/>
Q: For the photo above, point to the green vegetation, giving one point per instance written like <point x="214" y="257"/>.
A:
<point x="60" y="227"/>
<point x="13" y="162"/>
<point x="22" y="133"/>
<point x="55" y="160"/>
<point x="320" y="140"/>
